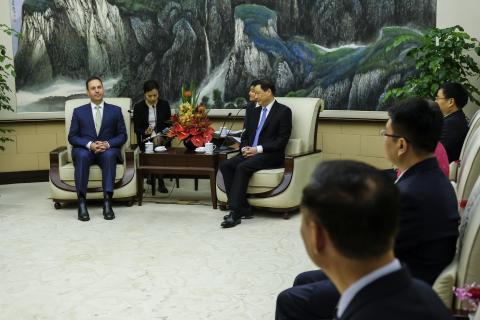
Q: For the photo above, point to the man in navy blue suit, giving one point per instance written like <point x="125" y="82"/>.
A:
<point x="350" y="213"/>
<point x="429" y="217"/>
<point x="97" y="134"/>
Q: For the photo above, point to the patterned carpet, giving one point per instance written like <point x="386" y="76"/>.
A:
<point x="157" y="261"/>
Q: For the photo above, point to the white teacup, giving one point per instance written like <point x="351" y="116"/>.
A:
<point x="149" y="147"/>
<point x="209" y="147"/>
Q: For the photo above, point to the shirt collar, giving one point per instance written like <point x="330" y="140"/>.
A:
<point x="149" y="105"/>
<point x="350" y="293"/>
<point x="268" y="106"/>
<point x="93" y="105"/>
<point x="400" y="176"/>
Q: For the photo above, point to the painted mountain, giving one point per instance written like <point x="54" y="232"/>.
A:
<point x="333" y="49"/>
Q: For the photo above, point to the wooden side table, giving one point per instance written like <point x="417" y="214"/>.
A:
<point x="178" y="162"/>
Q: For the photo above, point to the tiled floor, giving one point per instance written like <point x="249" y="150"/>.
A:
<point x="157" y="261"/>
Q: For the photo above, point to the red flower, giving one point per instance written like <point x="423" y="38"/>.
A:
<point x="474" y="292"/>
<point x="191" y="124"/>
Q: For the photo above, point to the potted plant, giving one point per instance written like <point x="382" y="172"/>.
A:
<point x="444" y="55"/>
<point x="191" y="124"/>
<point x="6" y="70"/>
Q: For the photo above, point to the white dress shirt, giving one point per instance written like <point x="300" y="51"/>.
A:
<point x="152" y="115"/>
<point x="94" y="112"/>
<point x="350" y="293"/>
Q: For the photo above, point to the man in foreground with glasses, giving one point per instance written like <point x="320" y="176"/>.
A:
<point x="428" y="228"/>
<point x="350" y="214"/>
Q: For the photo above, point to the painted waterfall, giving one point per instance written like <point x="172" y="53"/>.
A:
<point x="333" y="49"/>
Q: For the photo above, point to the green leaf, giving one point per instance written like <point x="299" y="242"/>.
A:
<point x="450" y="60"/>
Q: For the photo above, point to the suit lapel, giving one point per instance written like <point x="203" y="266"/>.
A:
<point x="270" y="115"/>
<point x="104" y="117"/>
<point x="90" y="118"/>
<point x="256" y="118"/>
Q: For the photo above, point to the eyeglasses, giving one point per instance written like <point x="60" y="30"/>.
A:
<point x="441" y="98"/>
<point x="384" y="133"/>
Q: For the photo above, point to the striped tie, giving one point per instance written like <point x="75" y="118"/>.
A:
<point x="98" y="119"/>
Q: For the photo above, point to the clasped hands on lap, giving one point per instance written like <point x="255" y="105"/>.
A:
<point x="99" y="146"/>
<point x="248" y="152"/>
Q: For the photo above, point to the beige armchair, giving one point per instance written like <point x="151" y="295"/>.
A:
<point x="281" y="189"/>
<point x="471" y="134"/>
<point x="465" y="268"/>
<point x="62" y="182"/>
<point x="468" y="170"/>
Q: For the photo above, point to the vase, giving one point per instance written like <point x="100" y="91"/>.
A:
<point x="189" y="145"/>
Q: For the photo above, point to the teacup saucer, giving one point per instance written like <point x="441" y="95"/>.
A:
<point x="200" y="150"/>
<point x="160" y="149"/>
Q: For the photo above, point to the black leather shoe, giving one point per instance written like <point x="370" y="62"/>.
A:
<point x="225" y="217"/>
<point x="230" y="222"/>
<point x="245" y="216"/>
<point x="161" y="186"/>
<point x="248" y="215"/>
<point x="108" y="213"/>
<point x="82" y="210"/>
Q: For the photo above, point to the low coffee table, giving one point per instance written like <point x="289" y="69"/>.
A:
<point x="181" y="163"/>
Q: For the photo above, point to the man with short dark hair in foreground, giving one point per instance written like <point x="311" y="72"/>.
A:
<point x="350" y="213"/>
<point x="428" y="227"/>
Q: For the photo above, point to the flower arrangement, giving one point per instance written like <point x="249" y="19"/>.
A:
<point x="191" y="123"/>
<point x="469" y="293"/>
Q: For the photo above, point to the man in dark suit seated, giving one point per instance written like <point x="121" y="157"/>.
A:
<point x="97" y="134"/>
<point x="429" y="217"/>
<point x="452" y="97"/>
<point x="350" y="213"/>
<point x="267" y="130"/>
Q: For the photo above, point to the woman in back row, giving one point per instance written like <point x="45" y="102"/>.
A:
<point x="151" y="117"/>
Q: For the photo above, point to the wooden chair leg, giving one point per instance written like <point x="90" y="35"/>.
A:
<point x="196" y="184"/>
<point x="286" y="215"/>
<point x="177" y="180"/>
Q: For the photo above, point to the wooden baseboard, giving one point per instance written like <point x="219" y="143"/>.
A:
<point x="23" y="176"/>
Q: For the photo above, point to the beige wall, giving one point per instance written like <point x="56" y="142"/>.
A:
<point x="33" y="142"/>
<point x="337" y="139"/>
<point x="354" y="140"/>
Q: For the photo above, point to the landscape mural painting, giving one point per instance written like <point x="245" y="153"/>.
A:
<point x="332" y="49"/>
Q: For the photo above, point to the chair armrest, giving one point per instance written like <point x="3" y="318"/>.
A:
<point x="298" y="155"/>
<point x="287" y="175"/>
<point x="59" y="156"/>
<point x="444" y="283"/>
<point x="56" y="162"/>
<point x="224" y="155"/>
<point x="453" y="167"/>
